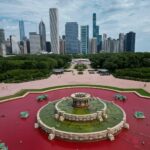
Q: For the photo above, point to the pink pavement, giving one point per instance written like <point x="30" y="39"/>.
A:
<point x="20" y="134"/>
<point x="68" y="78"/>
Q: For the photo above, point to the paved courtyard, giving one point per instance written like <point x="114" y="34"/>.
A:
<point x="72" y="78"/>
<point x="20" y="134"/>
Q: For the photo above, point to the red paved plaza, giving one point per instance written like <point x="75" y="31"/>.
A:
<point x="19" y="134"/>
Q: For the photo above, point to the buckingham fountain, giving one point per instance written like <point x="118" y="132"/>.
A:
<point x="81" y="117"/>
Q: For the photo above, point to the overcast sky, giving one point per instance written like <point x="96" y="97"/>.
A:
<point x="113" y="16"/>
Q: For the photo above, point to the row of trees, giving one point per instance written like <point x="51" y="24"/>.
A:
<point x="30" y="67"/>
<point x="113" y="61"/>
<point x="124" y="65"/>
<point x="141" y="74"/>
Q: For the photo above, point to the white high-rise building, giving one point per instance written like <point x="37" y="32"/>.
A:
<point x="104" y="46"/>
<point x="54" y="30"/>
<point x="115" y="45"/>
<point x="25" y="47"/>
<point x="35" y="43"/>
<point x="62" y="46"/>
<point x="14" y="45"/>
<point x="108" y="42"/>
<point x="93" y="45"/>
<point x="121" y="42"/>
<point x="2" y="50"/>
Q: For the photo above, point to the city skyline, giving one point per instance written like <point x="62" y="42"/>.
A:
<point x="112" y="17"/>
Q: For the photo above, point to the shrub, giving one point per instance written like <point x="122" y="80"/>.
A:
<point x="80" y="72"/>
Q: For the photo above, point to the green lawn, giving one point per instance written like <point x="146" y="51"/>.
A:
<point x="22" y="92"/>
<point x="115" y="116"/>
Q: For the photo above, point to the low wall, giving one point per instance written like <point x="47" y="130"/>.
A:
<point x="86" y="117"/>
<point x="92" y="136"/>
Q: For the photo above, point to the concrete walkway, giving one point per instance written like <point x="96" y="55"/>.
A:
<point x="72" y="78"/>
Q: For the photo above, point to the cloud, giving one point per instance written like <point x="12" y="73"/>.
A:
<point x="113" y="16"/>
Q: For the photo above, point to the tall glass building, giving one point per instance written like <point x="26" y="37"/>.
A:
<point x="95" y="27"/>
<point x="42" y="32"/>
<point x="72" y="42"/>
<point x="2" y="36"/>
<point x="54" y="30"/>
<point x="21" y="29"/>
<point x="130" y="42"/>
<point x="99" y="40"/>
<point x="96" y="33"/>
<point x="85" y="39"/>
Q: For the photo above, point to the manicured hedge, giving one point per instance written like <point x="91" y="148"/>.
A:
<point x="80" y="67"/>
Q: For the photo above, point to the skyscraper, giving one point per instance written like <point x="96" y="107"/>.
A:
<point x="108" y="42"/>
<point x="95" y="29"/>
<point x="94" y="25"/>
<point x="85" y="39"/>
<point x="42" y="32"/>
<point x="54" y="30"/>
<point x="115" y="45"/>
<point x="21" y="29"/>
<point x="99" y="40"/>
<point x="2" y="50"/>
<point x="2" y="36"/>
<point x="72" y="42"/>
<point x="93" y="46"/>
<point x="130" y="42"/>
<point x="25" y="50"/>
<point x="48" y="46"/>
<point x="35" y="43"/>
<point x="104" y="45"/>
<point x="121" y="42"/>
<point x="14" y="45"/>
<point x="62" y="46"/>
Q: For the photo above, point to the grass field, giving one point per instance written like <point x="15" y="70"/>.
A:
<point x="115" y="116"/>
<point x="24" y="91"/>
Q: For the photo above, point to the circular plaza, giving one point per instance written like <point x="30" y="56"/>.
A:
<point x="21" y="134"/>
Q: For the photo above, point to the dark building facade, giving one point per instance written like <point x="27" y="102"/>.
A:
<point x="42" y="32"/>
<point x="96" y="34"/>
<point x="130" y="42"/>
<point x="48" y="46"/>
<point x="99" y="46"/>
<point x="2" y="36"/>
<point x="28" y="46"/>
<point x="95" y="27"/>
